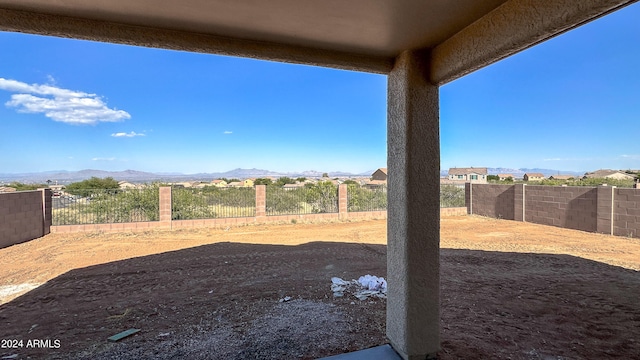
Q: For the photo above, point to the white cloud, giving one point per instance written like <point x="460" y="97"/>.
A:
<point x="123" y="134"/>
<point x="68" y="106"/>
<point x="634" y="157"/>
<point x="103" y="159"/>
<point x="228" y="132"/>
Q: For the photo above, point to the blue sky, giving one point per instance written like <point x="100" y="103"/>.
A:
<point x="571" y="103"/>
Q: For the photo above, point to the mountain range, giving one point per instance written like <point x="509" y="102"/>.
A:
<point x="65" y="177"/>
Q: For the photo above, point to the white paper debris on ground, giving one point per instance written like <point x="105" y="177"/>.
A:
<point x="338" y="286"/>
<point x="285" y="299"/>
<point x="371" y="282"/>
<point x="365" y="287"/>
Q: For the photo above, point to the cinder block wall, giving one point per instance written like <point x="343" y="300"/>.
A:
<point x="571" y="207"/>
<point x="495" y="201"/>
<point x="23" y="216"/>
<point x="602" y="209"/>
<point x="626" y="212"/>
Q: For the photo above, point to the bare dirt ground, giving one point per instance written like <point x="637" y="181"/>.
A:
<point x="509" y="290"/>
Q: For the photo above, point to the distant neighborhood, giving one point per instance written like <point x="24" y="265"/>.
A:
<point x="455" y="176"/>
<point x="377" y="179"/>
<point x="480" y="175"/>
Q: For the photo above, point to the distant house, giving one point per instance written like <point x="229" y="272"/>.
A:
<point x="375" y="184"/>
<point x="121" y="185"/>
<point x="201" y="185"/>
<point x="58" y="188"/>
<point x="609" y="174"/>
<point x="504" y="177"/>
<point x="218" y="183"/>
<point x="248" y="183"/>
<point x="533" y="177"/>
<point x="235" y="184"/>
<point x="561" y="177"/>
<point x="185" y="184"/>
<point x="379" y="175"/>
<point x="468" y="175"/>
<point x="292" y="186"/>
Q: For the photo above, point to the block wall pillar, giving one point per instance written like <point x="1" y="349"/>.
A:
<point x="518" y="202"/>
<point x="468" y="198"/>
<point x="46" y="211"/>
<point x="261" y="202"/>
<point x="604" y="209"/>
<point x="165" y="205"/>
<point x="343" y="201"/>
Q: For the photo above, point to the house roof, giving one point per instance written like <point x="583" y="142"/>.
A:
<point x="562" y="177"/>
<point x="364" y="35"/>
<point x="505" y="175"/>
<point x="471" y="170"/>
<point x="534" y="175"/>
<point x="375" y="183"/>
<point x="604" y="173"/>
<point x="384" y="170"/>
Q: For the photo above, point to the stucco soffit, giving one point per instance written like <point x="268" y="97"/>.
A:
<point x="512" y="27"/>
<point x="105" y="31"/>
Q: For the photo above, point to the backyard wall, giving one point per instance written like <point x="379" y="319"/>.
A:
<point x="603" y="209"/>
<point x="24" y="216"/>
<point x="626" y="212"/>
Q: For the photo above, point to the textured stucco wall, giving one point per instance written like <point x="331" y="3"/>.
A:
<point x="88" y="29"/>
<point x="512" y="27"/>
<point x="413" y="238"/>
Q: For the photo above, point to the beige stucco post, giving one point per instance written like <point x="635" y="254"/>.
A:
<point x="413" y="250"/>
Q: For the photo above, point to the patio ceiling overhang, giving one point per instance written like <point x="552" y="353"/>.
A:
<point x="361" y="35"/>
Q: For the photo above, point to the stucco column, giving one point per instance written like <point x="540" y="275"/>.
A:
<point x="413" y="238"/>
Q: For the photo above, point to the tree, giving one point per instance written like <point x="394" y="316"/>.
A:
<point x="451" y="196"/>
<point x="301" y="179"/>
<point x="493" y="177"/>
<point x="325" y="175"/>
<point x="90" y="186"/>
<point x="350" y="182"/>
<point x="25" y="187"/>
<point x="285" y="180"/>
<point x="322" y="196"/>
<point x="263" y="181"/>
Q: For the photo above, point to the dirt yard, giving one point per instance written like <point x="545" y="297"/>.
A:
<point x="509" y="290"/>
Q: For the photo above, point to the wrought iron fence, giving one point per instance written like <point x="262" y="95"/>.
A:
<point x="212" y="202"/>
<point x="365" y="199"/>
<point x="133" y="205"/>
<point x="321" y="197"/>
<point x="100" y="206"/>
